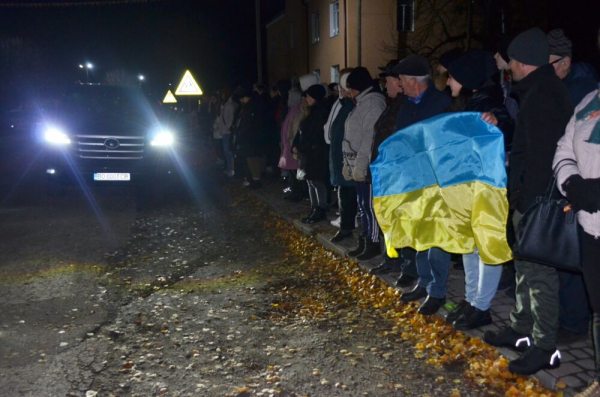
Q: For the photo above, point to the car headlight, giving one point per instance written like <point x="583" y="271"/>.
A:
<point x="56" y="136"/>
<point x="163" y="138"/>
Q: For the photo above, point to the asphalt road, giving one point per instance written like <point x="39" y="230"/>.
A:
<point x="106" y="292"/>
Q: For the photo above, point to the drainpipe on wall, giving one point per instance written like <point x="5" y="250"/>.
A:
<point x="345" y="34"/>
<point x="359" y="31"/>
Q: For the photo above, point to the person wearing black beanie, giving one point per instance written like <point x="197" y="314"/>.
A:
<point x="356" y="148"/>
<point x="360" y="79"/>
<point x="313" y="153"/>
<point x="545" y="109"/>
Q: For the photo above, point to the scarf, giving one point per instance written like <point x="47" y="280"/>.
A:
<point x="592" y="110"/>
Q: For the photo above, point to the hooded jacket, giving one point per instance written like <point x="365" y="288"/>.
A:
<point x="359" y="133"/>
<point x="225" y="120"/>
<point x="545" y="109"/>
<point x="576" y="156"/>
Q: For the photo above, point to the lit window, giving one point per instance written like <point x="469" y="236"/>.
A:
<point x="335" y="74"/>
<point x="406" y="16"/>
<point x="334" y="19"/>
<point x="315" y="28"/>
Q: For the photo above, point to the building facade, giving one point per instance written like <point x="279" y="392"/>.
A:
<point x="326" y="36"/>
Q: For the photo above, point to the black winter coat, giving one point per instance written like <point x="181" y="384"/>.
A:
<point x="310" y="143"/>
<point x="490" y="98"/>
<point x="544" y="111"/>
<point x="249" y="134"/>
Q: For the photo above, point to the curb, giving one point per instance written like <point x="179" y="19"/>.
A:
<point x="546" y="379"/>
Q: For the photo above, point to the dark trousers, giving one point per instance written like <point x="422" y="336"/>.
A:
<point x="348" y="206"/>
<point x="591" y="275"/>
<point x="575" y="313"/>
<point x="368" y="222"/>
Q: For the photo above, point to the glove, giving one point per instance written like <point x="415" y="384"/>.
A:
<point x="584" y="194"/>
<point x="346" y="172"/>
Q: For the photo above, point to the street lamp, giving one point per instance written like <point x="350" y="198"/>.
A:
<point x="88" y="66"/>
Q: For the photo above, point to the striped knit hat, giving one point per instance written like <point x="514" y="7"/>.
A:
<point x="560" y="45"/>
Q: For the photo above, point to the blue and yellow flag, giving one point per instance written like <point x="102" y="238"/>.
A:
<point x="442" y="183"/>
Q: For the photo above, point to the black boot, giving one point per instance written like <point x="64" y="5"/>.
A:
<point x="506" y="337"/>
<point x="405" y="280"/>
<point x="461" y="308"/>
<point x="431" y="305"/>
<point x="358" y="250"/>
<point x="372" y="249"/>
<point x="533" y="360"/>
<point x="472" y="319"/>
<point x="317" y="216"/>
<point x="341" y="235"/>
<point x="312" y="211"/>
<point x="387" y="266"/>
<point x="414" y="295"/>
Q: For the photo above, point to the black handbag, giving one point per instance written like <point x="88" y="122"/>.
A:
<point x="549" y="233"/>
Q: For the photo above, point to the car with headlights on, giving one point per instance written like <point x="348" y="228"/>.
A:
<point x="103" y="134"/>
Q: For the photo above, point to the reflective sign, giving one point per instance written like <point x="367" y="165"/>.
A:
<point x="169" y="98"/>
<point x="188" y="85"/>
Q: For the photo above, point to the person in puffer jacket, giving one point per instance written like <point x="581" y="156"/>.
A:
<point x="356" y="147"/>
<point x="577" y="169"/>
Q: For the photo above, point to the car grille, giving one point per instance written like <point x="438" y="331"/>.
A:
<point x="110" y="147"/>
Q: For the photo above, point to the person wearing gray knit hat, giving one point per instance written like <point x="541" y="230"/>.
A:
<point x="561" y="49"/>
<point x="579" y="77"/>
<point x="530" y="48"/>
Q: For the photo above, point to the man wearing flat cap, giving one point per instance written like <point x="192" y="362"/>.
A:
<point x="423" y="101"/>
<point x="545" y="109"/>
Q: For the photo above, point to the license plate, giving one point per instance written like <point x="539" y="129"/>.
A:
<point x="112" y="176"/>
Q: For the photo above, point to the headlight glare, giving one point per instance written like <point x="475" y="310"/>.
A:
<point x="163" y="138"/>
<point x="56" y="136"/>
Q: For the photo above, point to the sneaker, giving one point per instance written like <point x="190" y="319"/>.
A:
<point x="318" y="216"/>
<point x="472" y="319"/>
<point x="337" y="222"/>
<point x="312" y="211"/>
<point x="431" y="305"/>
<point x="229" y="173"/>
<point x="592" y="391"/>
<point x="245" y="183"/>
<point x="507" y="337"/>
<point x="533" y="360"/>
<point x="462" y="306"/>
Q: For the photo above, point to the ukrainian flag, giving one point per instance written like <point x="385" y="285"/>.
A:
<point x="442" y="183"/>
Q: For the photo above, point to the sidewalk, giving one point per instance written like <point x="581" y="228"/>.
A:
<point x="577" y="358"/>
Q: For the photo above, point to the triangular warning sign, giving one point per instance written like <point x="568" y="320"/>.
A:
<point x="169" y="98"/>
<point x="188" y="85"/>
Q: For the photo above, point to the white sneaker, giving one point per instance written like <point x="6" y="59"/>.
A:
<point x="229" y="173"/>
<point x="337" y="221"/>
<point x="245" y="183"/>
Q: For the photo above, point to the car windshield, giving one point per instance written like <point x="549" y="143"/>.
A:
<point x="102" y="101"/>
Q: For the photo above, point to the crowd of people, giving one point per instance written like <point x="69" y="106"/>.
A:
<point x="323" y="139"/>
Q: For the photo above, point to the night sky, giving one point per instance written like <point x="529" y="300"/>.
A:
<point x="215" y="39"/>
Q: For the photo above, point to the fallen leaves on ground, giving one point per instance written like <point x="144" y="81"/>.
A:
<point x="328" y="282"/>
